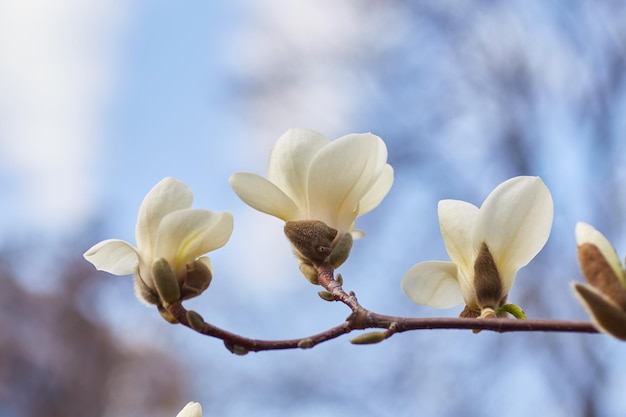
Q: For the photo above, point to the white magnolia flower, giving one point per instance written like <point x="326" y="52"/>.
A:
<point x="487" y="246"/>
<point x="167" y="228"/>
<point x="605" y="296"/>
<point x="311" y="178"/>
<point x="192" y="409"/>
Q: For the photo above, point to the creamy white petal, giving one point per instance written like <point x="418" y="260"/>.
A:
<point x="192" y="409"/>
<point x="456" y="221"/>
<point x="341" y="174"/>
<point x="114" y="256"/>
<point x="378" y="191"/>
<point x="167" y="196"/>
<point x="184" y="235"/>
<point x="586" y="233"/>
<point x="434" y="284"/>
<point x="515" y="221"/>
<point x="264" y="196"/>
<point x="290" y="160"/>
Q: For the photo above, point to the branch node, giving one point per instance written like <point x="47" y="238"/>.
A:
<point x="306" y="343"/>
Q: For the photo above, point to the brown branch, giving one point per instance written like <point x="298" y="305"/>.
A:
<point x="362" y="319"/>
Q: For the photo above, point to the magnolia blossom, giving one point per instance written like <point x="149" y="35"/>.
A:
<point x="311" y="178"/>
<point x="605" y="296"/>
<point x="487" y="246"/>
<point x="167" y="229"/>
<point x="192" y="409"/>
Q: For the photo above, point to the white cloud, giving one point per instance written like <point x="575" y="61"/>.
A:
<point x="310" y="63"/>
<point x="57" y="65"/>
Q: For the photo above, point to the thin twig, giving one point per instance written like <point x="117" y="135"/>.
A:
<point x="362" y="319"/>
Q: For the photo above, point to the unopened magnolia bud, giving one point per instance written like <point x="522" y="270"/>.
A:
<point x="305" y="344"/>
<point x="326" y="296"/>
<point x="198" y="279"/>
<point x="341" y="250"/>
<point x="312" y="239"/>
<point x="369" y="338"/>
<point x="165" y="281"/>
<point x="195" y="321"/>
<point x="309" y="272"/>
<point x="606" y="316"/>
<point x="600" y="274"/>
<point x="487" y="282"/>
<point x="236" y="349"/>
<point x="167" y="315"/>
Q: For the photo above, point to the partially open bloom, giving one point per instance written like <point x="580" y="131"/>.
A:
<point x="171" y="237"/>
<point x="487" y="246"/>
<point x="311" y="179"/>
<point x="605" y="296"/>
<point x="192" y="409"/>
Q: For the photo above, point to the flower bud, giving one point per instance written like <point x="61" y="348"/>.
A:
<point x="145" y="293"/>
<point x="165" y="281"/>
<point x="605" y="314"/>
<point x="339" y="279"/>
<point x="195" y="321"/>
<point x="305" y="344"/>
<point x="236" y="349"/>
<point x="311" y="239"/>
<point x="309" y="272"/>
<point x="487" y="281"/>
<point x="600" y="274"/>
<point x="369" y="338"/>
<point x="198" y="279"/>
<point x="326" y="296"/>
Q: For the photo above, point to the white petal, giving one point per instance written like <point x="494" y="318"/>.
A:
<point x="377" y="192"/>
<point x="167" y="196"/>
<point x="588" y="234"/>
<point x="434" y="284"/>
<point x="114" y="256"/>
<point x="515" y="222"/>
<point x="184" y="235"/>
<point x="456" y="221"/>
<point x="290" y="160"/>
<point x="262" y="195"/>
<point x="341" y="174"/>
<point x="192" y="409"/>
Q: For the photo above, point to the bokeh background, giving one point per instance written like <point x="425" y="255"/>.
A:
<point x="100" y="100"/>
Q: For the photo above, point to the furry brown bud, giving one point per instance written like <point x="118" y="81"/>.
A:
<point x="198" y="279"/>
<point x="312" y="239"/>
<point x="487" y="281"/>
<point x="600" y="274"/>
